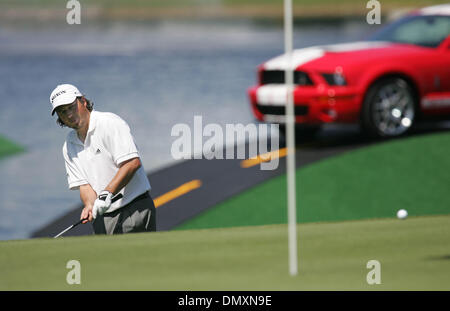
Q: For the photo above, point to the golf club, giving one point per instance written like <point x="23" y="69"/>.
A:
<point x="114" y="199"/>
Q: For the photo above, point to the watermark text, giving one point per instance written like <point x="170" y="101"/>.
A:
<point x="374" y="15"/>
<point x="190" y="144"/>
<point x="74" y="275"/>
<point x="74" y="15"/>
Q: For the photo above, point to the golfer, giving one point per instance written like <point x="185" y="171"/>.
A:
<point x="101" y="161"/>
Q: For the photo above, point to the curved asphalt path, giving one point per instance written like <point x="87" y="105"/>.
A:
<point x="209" y="182"/>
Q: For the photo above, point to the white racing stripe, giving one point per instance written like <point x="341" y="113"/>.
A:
<point x="299" y="57"/>
<point x="276" y="94"/>
<point x="355" y="46"/>
<point x="303" y="56"/>
<point x="272" y="95"/>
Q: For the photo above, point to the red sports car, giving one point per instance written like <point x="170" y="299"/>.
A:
<point x="401" y="74"/>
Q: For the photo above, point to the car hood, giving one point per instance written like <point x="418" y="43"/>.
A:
<point x="327" y="57"/>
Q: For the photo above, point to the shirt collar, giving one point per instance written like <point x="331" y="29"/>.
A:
<point x="92" y="121"/>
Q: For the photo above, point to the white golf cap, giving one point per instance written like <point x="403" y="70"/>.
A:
<point x="63" y="94"/>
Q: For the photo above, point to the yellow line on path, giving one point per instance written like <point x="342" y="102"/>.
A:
<point x="264" y="158"/>
<point x="177" y="192"/>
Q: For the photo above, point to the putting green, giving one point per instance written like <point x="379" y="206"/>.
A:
<point x="373" y="182"/>
<point x="413" y="255"/>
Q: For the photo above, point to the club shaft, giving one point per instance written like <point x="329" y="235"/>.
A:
<point x="64" y="231"/>
<point x="117" y="197"/>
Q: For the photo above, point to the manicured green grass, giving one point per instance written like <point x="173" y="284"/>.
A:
<point x="7" y="147"/>
<point x="413" y="254"/>
<point x="372" y="182"/>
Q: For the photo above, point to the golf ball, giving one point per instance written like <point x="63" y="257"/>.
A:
<point x="402" y="214"/>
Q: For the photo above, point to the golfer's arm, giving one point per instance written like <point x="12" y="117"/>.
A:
<point x="124" y="175"/>
<point x="87" y="195"/>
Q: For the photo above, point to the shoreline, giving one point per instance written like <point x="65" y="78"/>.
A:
<point x="274" y="13"/>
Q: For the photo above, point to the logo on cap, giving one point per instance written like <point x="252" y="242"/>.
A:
<point x="56" y="95"/>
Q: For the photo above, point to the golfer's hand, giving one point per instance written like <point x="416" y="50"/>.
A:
<point x="86" y="214"/>
<point x="102" y="203"/>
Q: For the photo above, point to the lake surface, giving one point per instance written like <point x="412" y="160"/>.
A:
<point x="153" y="75"/>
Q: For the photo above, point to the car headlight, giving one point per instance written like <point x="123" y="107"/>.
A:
<point x="334" y="78"/>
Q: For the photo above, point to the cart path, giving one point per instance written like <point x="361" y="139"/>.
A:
<point x="190" y="187"/>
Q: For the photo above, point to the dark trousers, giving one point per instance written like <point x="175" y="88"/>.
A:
<point x="137" y="216"/>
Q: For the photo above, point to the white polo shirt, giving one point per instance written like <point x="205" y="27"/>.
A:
<point x="108" y="143"/>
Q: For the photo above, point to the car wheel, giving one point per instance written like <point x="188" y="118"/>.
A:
<point x="389" y="108"/>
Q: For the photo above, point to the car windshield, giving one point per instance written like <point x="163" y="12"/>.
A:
<point x="428" y="31"/>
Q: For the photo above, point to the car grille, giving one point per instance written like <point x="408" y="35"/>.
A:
<point x="277" y="77"/>
<point x="280" y="110"/>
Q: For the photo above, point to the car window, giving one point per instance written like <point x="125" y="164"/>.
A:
<point x="421" y="30"/>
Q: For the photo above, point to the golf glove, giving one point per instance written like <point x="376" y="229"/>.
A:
<point x="102" y="203"/>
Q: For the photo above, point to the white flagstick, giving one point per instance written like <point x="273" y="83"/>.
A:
<point x="290" y="137"/>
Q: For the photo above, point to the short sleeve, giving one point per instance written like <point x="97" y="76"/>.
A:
<point x="119" y="141"/>
<point x="75" y="177"/>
